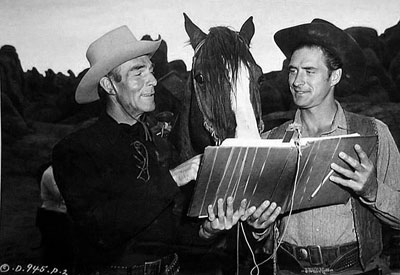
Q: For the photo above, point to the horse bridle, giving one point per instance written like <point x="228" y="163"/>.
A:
<point x="206" y="122"/>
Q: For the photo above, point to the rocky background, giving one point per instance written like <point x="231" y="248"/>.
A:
<point x="38" y="110"/>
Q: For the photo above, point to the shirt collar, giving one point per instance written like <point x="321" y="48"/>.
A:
<point x="339" y="121"/>
<point x="113" y="130"/>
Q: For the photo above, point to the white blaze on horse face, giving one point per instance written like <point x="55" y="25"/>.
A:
<point x="246" y="123"/>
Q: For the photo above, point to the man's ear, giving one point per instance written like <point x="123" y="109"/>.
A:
<point x="106" y="84"/>
<point x="336" y="75"/>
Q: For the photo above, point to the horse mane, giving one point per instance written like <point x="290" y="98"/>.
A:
<point x="221" y="56"/>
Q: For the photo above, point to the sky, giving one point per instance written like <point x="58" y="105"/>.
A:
<point x="56" y="33"/>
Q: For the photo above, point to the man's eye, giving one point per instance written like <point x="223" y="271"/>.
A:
<point x="199" y="79"/>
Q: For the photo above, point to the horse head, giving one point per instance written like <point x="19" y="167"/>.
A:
<point x="222" y="92"/>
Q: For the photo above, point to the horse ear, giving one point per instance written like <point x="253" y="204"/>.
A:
<point x="196" y="35"/>
<point x="247" y="30"/>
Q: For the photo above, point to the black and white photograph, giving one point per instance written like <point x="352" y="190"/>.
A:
<point x="213" y="137"/>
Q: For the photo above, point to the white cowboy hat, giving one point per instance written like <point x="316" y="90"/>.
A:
<point x="109" y="51"/>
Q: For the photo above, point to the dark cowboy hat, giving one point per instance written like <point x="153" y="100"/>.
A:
<point x="109" y="51"/>
<point x="324" y="33"/>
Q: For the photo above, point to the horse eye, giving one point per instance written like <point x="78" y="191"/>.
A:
<point x="199" y="79"/>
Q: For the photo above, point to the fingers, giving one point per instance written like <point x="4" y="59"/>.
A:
<point x="240" y="212"/>
<point x="260" y="210"/>
<point x="249" y="212"/>
<point x="267" y="214"/>
<point x="355" y="164"/>
<point x="229" y="207"/>
<point x="229" y="212"/>
<point x="264" y="215"/>
<point x="362" y="155"/>
<point x="211" y="215"/>
<point x="343" y="171"/>
<point x="348" y="178"/>
<point x="275" y="214"/>
<point x="345" y="182"/>
<point x="221" y="212"/>
<point x="356" y="177"/>
<point x="225" y="220"/>
<point x="243" y="206"/>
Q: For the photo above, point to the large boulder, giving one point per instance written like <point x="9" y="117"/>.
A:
<point x="13" y="125"/>
<point x="391" y="41"/>
<point x="34" y="84"/>
<point x="367" y="38"/>
<point x="179" y="67"/>
<point x="378" y="85"/>
<point x="274" y="92"/>
<point x="12" y="77"/>
<point x="159" y="58"/>
<point x="394" y="71"/>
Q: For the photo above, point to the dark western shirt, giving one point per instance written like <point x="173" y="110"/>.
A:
<point x="114" y="206"/>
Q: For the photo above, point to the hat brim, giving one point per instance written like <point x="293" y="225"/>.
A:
<point x="86" y="91"/>
<point x="330" y="37"/>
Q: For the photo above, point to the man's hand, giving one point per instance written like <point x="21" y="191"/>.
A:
<point x="223" y="221"/>
<point x="264" y="216"/>
<point x="187" y="171"/>
<point x="360" y="178"/>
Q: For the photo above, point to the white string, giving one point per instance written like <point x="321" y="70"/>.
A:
<point x="237" y="247"/>
<point x="251" y="251"/>
<point x="298" y="147"/>
<point x="257" y="265"/>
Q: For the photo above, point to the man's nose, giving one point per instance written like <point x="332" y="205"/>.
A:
<point x="298" y="79"/>
<point x="152" y="79"/>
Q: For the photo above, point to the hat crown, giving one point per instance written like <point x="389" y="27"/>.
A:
<point x="107" y="52"/>
<point x="323" y="33"/>
<point x="109" y="43"/>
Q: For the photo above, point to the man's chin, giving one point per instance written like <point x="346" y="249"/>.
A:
<point x="150" y="108"/>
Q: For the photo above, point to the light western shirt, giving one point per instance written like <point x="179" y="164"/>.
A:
<point x="333" y="225"/>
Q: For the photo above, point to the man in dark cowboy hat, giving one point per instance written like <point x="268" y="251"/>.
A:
<point x="338" y="239"/>
<point x="117" y="192"/>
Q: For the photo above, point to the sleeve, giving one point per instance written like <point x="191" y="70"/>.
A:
<point x="387" y="204"/>
<point x="107" y="212"/>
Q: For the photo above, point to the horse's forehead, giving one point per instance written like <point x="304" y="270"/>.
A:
<point x="202" y="62"/>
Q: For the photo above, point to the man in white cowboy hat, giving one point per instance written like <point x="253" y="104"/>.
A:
<point x="118" y="193"/>
<point x="337" y="239"/>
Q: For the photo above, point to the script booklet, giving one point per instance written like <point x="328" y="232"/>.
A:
<point x="268" y="169"/>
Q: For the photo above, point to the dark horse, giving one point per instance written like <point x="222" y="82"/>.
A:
<point x="224" y="76"/>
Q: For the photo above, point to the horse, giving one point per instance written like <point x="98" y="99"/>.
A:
<point x="222" y="98"/>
